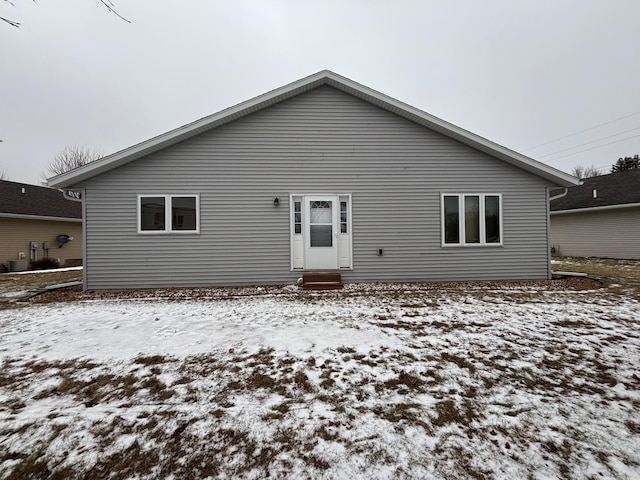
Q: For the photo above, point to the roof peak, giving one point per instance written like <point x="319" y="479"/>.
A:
<point x="298" y="87"/>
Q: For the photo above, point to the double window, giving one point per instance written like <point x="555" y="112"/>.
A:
<point x="471" y="219"/>
<point x="168" y="214"/>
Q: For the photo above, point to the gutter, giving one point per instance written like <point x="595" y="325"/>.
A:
<point x="596" y="209"/>
<point x="40" y="217"/>
<point x="566" y="190"/>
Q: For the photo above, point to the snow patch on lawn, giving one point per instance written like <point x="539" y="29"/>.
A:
<point x="396" y="384"/>
<point x="14" y="294"/>
<point x="48" y="270"/>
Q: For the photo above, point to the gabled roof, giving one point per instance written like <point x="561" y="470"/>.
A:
<point x="613" y="190"/>
<point x="324" y="77"/>
<point x="21" y="200"/>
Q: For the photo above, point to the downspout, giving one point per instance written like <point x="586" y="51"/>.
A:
<point x="548" y="225"/>
<point x="83" y="193"/>
<point x="566" y="190"/>
<point x="549" y="199"/>
<point x="77" y="195"/>
<point x="560" y="195"/>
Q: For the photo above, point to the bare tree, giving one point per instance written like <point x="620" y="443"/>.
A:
<point x="107" y="3"/>
<point x="10" y="22"/>
<point x="111" y="7"/>
<point x="69" y="158"/>
<point x="585" y="172"/>
<point x="3" y="175"/>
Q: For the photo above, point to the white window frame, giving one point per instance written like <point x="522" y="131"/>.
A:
<point x="461" y="220"/>
<point x="167" y="214"/>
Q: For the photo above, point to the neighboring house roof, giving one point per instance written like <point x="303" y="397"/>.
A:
<point x="616" y="190"/>
<point x="324" y="77"/>
<point x="21" y="200"/>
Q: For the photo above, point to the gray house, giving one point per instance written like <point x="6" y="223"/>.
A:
<point x="600" y="218"/>
<point x="323" y="174"/>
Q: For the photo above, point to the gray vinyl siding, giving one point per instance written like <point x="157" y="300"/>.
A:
<point x="323" y="141"/>
<point x="605" y="233"/>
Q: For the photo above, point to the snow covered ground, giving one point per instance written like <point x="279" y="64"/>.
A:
<point x="509" y="383"/>
<point x="49" y="270"/>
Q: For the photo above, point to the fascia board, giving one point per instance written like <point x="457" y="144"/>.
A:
<point x="595" y="209"/>
<point x="452" y="131"/>
<point x="186" y="131"/>
<point x="295" y="88"/>
<point x="40" y="217"/>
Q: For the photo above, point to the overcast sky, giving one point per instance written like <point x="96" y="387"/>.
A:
<point x="520" y="73"/>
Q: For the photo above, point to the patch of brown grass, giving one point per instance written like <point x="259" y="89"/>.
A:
<point x="148" y="360"/>
<point x="459" y="361"/>
<point x="625" y="274"/>
<point x="448" y="412"/>
<point x="404" y="379"/>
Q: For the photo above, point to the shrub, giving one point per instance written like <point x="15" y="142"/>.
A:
<point x="44" y="264"/>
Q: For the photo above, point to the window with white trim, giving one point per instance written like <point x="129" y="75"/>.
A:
<point x="471" y="219"/>
<point x="168" y="213"/>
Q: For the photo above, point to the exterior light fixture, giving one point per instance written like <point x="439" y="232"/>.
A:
<point x="276" y="202"/>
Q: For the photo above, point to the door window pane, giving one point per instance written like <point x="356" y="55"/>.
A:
<point x="472" y="219"/>
<point x="321" y="235"/>
<point x="321" y="224"/>
<point x="152" y="213"/>
<point x="451" y="220"/>
<point x="492" y="218"/>
<point x="320" y="212"/>
<point x="183" y="213"/>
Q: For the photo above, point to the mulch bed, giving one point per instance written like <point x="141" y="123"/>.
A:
<point x="76" y="293"/>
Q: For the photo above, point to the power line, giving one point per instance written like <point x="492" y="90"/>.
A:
<point x="594" y="148"/>
<point x="582" y="131"/>
<point x="587" y="143"/>
<point x="605" y="167"/>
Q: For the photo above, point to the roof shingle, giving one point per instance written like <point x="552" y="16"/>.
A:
<point x="614" y="189"/>
<point x="24" y="199"/>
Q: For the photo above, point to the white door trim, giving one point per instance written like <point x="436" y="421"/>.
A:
<point x="303" y="256"/>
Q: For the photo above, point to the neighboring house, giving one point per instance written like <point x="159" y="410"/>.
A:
<point x="600" y="218"/>
<point x="323" y="174"/>
<point x="31" y="219"/>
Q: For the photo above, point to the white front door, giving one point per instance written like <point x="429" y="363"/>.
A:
<point x="321" y="227"/>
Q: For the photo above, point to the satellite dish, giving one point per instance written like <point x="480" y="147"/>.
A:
<point x="62" y="239"/>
